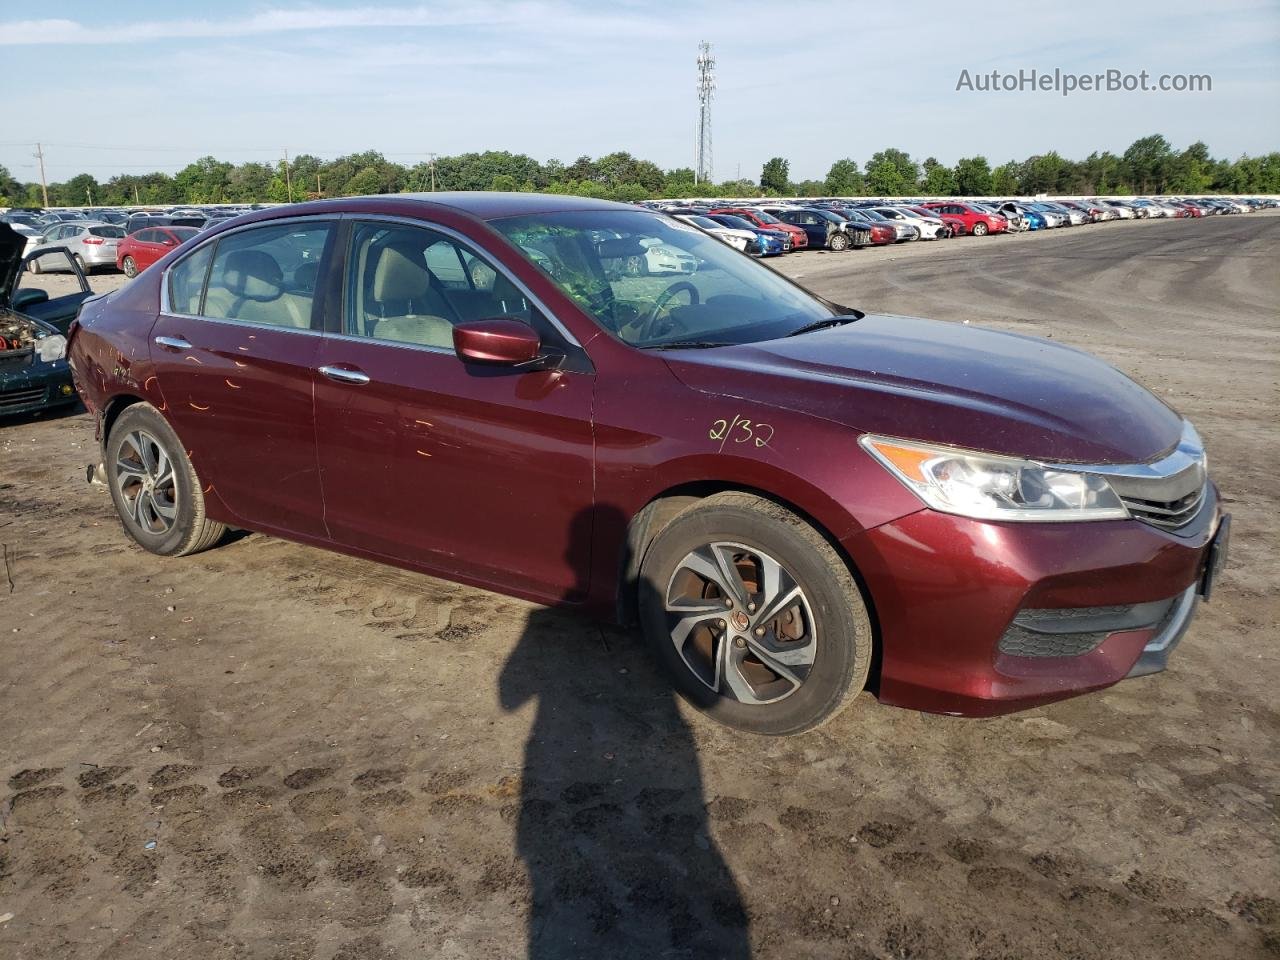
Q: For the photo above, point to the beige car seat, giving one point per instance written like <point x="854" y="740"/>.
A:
<point x="405" y="306"/>
<point x="251" y="287"/>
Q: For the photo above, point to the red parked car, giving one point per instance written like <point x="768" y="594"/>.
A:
<point x="799" y="239"/>
<point x="786" y="493"/>
<point x="977" y="222"/>
<point x="955" y="224"/>
<point x="140" y="250"/>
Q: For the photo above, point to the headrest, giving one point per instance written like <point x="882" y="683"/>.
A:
<point x="253" y="275"/>
<point x="401" y="273"/>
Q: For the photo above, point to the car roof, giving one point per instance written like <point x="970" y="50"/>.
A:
<point x="486" y="205"/>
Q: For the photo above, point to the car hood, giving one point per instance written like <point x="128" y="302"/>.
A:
<point x="950" y="383"/>
<point x="12" y="244"/>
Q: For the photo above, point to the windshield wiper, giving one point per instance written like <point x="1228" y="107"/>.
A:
<point x="823" y="324"/>
<point x="687" y="345"/>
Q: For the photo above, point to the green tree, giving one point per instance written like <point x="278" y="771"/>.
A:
<point x="892" y="173"/>
<point x="204" y="181"/>
<point x="939" y="181"/>
<point x="75" y="192"/>
<point x="776" y="176"/>
<point x="1146" y="163"/>
<point x="10" y="189"/>
<point x="974" y="179"/>
<point x="503" y="183"/>
<point x="844" y="179"/>
<point x="1004" y="179"/>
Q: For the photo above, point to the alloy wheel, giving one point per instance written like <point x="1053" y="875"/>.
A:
<point x="741" y="623"/>
<point x="146" y="482"/>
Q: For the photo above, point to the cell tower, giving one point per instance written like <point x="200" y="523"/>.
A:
<point x="706" y="87"/>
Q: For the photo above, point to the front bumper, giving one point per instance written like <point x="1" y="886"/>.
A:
<point x="38" y="387"/>
<point x="979" y="618"/>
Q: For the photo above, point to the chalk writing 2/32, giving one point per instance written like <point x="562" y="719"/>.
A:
<point x="741" y="430"/>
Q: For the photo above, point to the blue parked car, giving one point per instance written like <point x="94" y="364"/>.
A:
<point x="1033" y="218"/>
<point x="772" y="243"/>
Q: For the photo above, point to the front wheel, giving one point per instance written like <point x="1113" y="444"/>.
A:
<point x="130" y="267"/>
<point x="154" y="486"/>
<point x="754" y="615"/>
<point x="839" y="241"/>
<point x="979" y="229"/>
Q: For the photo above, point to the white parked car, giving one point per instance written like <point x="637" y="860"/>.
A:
<point x="738" y="239"/>
<point x="1052" y="217"/>
<point x="931" y="228"/>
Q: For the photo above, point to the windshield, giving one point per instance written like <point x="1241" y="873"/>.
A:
<point x="706" y="223"/>
<point x="766" y="218"/>
<point x="652" y="281"/>
<point x="735" y="223"/>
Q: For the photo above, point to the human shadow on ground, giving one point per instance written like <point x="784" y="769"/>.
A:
<point x="612" y="823"/>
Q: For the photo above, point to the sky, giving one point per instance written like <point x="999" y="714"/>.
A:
<point x="130" y="87"/>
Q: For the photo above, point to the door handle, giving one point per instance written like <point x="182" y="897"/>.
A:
<point x="343" y="375"/>
<point x="172" y="343"/>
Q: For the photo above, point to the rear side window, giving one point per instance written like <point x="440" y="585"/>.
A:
<point x="113" y="232"/>
<point x="267" y="275"/>
<point x="147" y="236"/>
<point x="186" y="281"/>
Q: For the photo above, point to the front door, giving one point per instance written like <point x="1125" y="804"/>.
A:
<point x="479" y="471"/>
<point x="235" y="360"/>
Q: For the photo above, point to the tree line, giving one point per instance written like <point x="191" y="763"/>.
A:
<point x="1149" y="166"/>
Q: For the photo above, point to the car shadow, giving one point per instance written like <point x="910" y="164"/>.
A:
<point x="611" y="823"/>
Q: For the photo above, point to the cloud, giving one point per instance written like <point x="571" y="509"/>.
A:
<point x="453" y="14"/>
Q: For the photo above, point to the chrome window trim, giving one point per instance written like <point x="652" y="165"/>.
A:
<point x="470" y="244"/>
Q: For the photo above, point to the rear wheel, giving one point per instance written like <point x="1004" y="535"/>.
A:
<point x="154" y="486"/>
<point x="130" y="267"/>
<point x="755" y="617"/>
<point x="979" y="229"/>
<point x="839" y="241"/>
<point x="81" y="264"/>
<point x="34" y="266"/>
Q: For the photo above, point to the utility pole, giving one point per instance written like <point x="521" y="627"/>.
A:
<point x="136" y="198"/>
<point x="288" y="183"/>
<point x="44" y="187"/>
<point x="319" y="192"/>
<point x="432" y="159"/>
<point x="89" y="193"/>
<point x="706" y="87"/>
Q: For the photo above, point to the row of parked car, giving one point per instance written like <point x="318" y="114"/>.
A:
<point x="774" y="227"/>
<point x="110" y="238"/>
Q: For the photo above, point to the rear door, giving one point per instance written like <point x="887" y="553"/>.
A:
<point x="235" y="351"/>
<point x="474" y="470"/>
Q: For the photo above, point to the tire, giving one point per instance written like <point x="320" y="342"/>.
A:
<point x="165" y="518"/>
<point x="979" y="229"/>
<point x="81" y="264"/>
<point x="818" y="676"/>
<point x="130" y="267"/>
<point x="839" y="241"/>
<point x="34" y="266"/>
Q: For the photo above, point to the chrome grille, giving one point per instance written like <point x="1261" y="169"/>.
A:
<point x="1166" y="513"/>
<point x="1166" y="493"/>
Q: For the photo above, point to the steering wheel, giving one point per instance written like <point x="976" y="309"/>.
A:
<point x="649" y="325"/>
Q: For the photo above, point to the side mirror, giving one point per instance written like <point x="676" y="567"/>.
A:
<point x="500" y="341"/>
<point x="27" y="297"/>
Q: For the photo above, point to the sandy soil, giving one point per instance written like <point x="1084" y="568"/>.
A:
<point x="269" y="751"/>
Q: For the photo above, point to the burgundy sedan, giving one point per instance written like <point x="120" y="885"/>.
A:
<point x="795" y="500"/>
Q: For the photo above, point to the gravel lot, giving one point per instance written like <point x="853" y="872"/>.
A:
<point x="269" y="751"/>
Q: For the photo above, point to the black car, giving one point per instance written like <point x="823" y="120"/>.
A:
<point x="826" y="230"/>
<point x="34" y="374"/>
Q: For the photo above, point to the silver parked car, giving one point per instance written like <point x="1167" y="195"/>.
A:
<point x="92" y="244"/>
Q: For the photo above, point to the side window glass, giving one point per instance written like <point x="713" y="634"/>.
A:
<point x="412" y="285"/>
<point x="146" y="236"/>
<point x="186" y="281"/>
<point x="267" y="275"/>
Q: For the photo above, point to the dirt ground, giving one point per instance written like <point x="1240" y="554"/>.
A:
<point x="270" y="751"/>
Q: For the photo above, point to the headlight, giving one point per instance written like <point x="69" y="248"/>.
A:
<point x="990" y="487"/>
